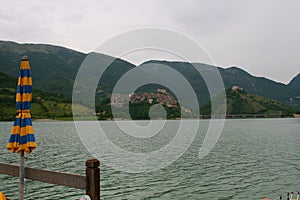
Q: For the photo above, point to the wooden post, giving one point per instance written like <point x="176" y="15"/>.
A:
<point x="93" y="178"/>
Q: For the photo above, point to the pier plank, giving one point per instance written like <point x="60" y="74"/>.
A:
<point x="59" y="178"/>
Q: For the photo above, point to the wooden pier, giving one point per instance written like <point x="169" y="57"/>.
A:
<point x="90" y="182"/>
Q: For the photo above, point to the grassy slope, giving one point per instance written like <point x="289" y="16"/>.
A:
<point x="240" y="102"/>
<point x="44" y="104"/>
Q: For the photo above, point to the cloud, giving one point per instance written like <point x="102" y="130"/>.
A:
<point x="260" y="36"/>
<point x="266" y="43"/>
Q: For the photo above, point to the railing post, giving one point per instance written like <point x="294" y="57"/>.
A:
<point x="93" y="178"/>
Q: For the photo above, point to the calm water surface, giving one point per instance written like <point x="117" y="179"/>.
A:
<point x="254" y="158"/>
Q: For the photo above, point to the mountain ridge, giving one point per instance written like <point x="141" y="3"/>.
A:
<point x="55" y="68"/>
<point x="55" y="48"/>
<point x="240" y="103"/>
<point x="295" y="82"/>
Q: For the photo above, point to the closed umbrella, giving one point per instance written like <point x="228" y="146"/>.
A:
<point x="22" y="135"/>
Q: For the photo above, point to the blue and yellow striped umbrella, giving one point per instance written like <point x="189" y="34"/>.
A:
<point x="22" y="135"/>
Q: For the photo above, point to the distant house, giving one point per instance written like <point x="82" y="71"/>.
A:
<point x="118" y="100"/>
<point x="150" y="101"/>
<point x="236" y="88"/>
<point x="162" y="91"/>
<point x="186" y="110"/>
<point x="38" y="98"/>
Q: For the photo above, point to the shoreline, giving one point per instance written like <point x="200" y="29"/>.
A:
<point x="46" y="120"/>
<point x="235" y="116"/>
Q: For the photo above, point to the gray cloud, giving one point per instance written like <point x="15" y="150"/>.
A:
<point x="261" y="36"/>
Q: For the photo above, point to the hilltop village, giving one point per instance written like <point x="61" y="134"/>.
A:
<point x="161" y="97"/>
<point x="143" y="101"/>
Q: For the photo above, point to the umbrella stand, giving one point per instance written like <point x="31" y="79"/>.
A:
<point x="21" y="175"/>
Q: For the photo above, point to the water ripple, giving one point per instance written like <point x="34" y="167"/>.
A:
<point x="253" y="159"/>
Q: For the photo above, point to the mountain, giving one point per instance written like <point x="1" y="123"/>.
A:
<point x="239" y="102"/>
<point x="257" y="85"/>
<point x="233" y="76"/>
<point x="294" y="101"/>
<point x="54" y="70"/>
<point x="295" y="82"/>
<point x="261" y="86"/>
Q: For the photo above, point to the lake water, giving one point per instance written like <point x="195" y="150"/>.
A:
<point x="254" y="158"/>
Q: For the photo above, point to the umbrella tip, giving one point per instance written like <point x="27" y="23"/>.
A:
<point x="24" y="58"/>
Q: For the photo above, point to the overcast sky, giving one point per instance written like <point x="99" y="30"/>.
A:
<point x="260" y="36"/>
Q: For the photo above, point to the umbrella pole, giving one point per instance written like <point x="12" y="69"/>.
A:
<point x="21" y="175"/>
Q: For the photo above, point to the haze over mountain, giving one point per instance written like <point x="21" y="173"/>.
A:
<point x="54" y="69"/>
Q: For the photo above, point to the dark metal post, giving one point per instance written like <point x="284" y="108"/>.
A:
<point x="93" y="178"/>
<point x="21" y="177"/>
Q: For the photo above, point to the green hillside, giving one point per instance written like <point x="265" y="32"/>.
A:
<point x="235" y="76"/>
<point x="44" y="104"/>
<point x="56" y="106"/>
<point x="54" y="70"/>
<point x="240" y="102"/>
<point x="257" y="85"/>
